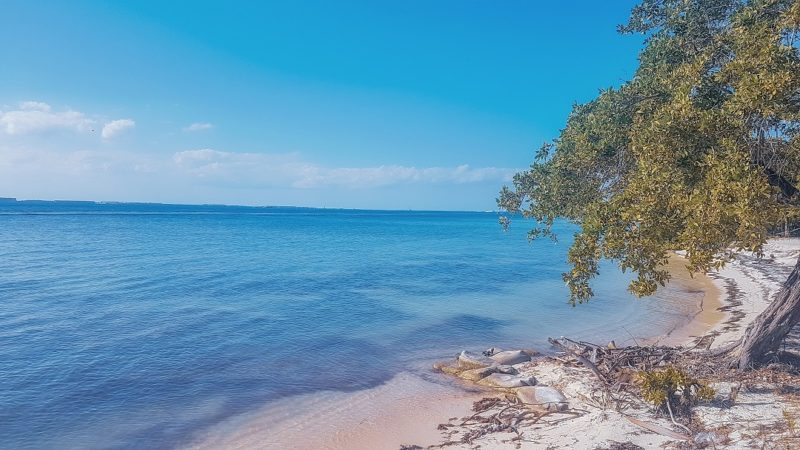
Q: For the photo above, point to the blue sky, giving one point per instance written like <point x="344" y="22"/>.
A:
<point x="396" y="105"/>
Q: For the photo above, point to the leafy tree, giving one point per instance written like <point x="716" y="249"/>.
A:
<point x="699" y="151"/>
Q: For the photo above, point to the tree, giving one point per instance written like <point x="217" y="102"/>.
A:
<point x="699" y="151"/>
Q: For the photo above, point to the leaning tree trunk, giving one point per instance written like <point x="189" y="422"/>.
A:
<point x="767" y="331"/>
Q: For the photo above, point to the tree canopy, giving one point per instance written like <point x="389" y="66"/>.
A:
<point x="699" y="151"/>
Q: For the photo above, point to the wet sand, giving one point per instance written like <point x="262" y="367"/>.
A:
<point x="405" y="410"/>
<point x="707" y="313"/>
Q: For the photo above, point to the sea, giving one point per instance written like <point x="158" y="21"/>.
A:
<point x="139" y="326"/>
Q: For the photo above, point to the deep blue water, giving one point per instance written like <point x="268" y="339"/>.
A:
<point x="133" y="326"/>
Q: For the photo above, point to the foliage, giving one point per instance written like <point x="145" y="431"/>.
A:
<point x="699" y="151"/>
<point x="673" y="387"/>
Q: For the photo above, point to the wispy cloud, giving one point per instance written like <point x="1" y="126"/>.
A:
<point x="115" y="127"/>
<point x="199" y="126"/>
<point x="355" y="177"/>
<point x="34" y="117"/>
<point x="79" y="162"/>
<point x="290" y="171"/>
<point x="34" y="106"/>
<point x="207" y="175"/>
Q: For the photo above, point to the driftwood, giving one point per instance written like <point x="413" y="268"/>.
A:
<point x="498" y="415"/>
<point x="610" y="364"/>
<point x="658" y="429"/>
<point x="616" y="368"/>
<point x="722" y="350"/>
<point x="581" y="359"/>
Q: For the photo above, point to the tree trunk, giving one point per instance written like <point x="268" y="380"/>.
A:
<point x="770" y="328"/>
<point x="785" y="225"/>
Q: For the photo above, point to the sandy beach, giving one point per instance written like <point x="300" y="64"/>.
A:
<point x="407" y="409"/>
<point x="404" y="410"/>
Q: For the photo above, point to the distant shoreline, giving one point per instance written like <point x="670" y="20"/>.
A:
<point x="66" y="202"/>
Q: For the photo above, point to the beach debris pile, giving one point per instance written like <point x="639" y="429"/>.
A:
<point x="650" y="396"/>
<point x="523" y="401"/>
<point x="505" y="414"/>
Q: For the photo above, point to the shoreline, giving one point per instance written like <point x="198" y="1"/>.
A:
<point x="708" y="314"/>
<point x="403" y="411"/>
<point x="408" y="408"/>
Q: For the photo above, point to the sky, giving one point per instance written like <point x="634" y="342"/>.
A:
<point x="414" y="104"/>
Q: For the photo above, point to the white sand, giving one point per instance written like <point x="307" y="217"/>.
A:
<point x="748" y="285"/>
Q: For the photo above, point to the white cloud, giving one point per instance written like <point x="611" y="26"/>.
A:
<point x="288" y="170"/>
<point x="37" y="117"/>
<point x="34" y="106"/>
<point x="34" y="117"/>
<point x="388" y="175"/>
<point x="115" y="127"/>
<point x="78" y="162"/>
<point x="200" y="126"/>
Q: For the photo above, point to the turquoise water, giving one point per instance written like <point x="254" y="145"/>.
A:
<point x="137" y="326"/>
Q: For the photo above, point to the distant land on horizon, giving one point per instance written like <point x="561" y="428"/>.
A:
<point x="64" y="202"/>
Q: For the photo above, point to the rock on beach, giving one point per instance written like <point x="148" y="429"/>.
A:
<point x="542" y="397"/>
<point x="511" y="357"/>
<point x="503" y="380"/>
<point x="469" y="360"/>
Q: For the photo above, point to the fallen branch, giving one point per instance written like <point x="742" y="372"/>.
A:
<point x="581" y="359"/>
<point x="658" y="429"/>
<point x="669" y="408"/>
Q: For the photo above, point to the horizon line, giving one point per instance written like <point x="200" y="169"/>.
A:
<point x="233" y="205"/>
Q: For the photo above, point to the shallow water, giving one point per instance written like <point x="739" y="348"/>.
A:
<point x="137" y="326"/>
